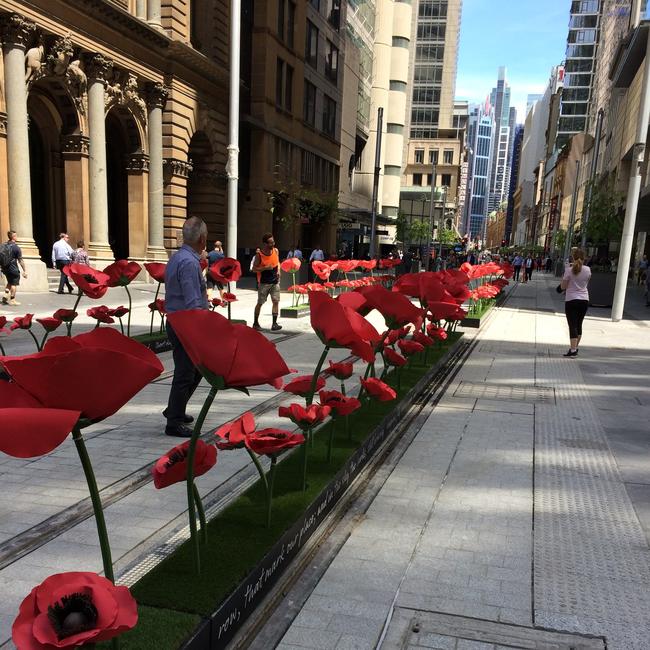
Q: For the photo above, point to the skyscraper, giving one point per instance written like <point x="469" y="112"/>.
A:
<point x="480" y="137"/>
<point x="436" y="135"/>
<point x="502" y="149"/>
<point x="582" y="43"/>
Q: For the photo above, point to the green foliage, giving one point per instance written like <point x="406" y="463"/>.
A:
<point x="560" y="239"/>
<point x="402" y="228"/>
<point x="605" y="222"/>
<point x="446" y="236"/>
<point x="291" y="203"/>
<point x="420" y="230"/>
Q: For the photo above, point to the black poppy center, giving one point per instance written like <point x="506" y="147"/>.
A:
<point x="177" y="456"/>
<point x="90" y="279"/>
<point x="72" y="614"/>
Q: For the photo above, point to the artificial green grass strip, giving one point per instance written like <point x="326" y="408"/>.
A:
<point x="237" y="536"/>
<point x="479" y="313"/>
<point x="156" y="629"/>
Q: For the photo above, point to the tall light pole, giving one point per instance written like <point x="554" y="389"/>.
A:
<point x="232" y="166"/>
<point x="431" y="202"/>
<point x="592" y="176"/>
<point x="375" y="181"/>
<point x="442" y="218"/>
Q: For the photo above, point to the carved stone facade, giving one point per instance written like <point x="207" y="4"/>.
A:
<point x="68" y="46"/>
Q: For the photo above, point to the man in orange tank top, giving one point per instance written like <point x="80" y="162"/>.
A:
<point x="267" y="267"/>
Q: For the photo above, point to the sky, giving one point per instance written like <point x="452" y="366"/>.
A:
<point x="527" y="36"/>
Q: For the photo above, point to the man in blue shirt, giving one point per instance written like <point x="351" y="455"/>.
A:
<point x="184" y="289"/>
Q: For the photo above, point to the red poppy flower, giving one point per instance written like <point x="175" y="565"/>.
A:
<point x="216" y="302"/>
<point x="304" y="417"/>
<point x="101" y="313"/>
<point x="244" y="357"/>
<point x="435" y="332"/>
<point x="119" y="312"/>
<point x="49" y="324"/>
<point x="409" y="348"/>
<point x="422" y="339"/>
<point x="339" y="326"/>
<point x="72" y="610"/>
<point x="378" y="389"/>
<point x="508" y="269"/>
<point x="343" y="284"/>
<point x="341" y="369"/>
<point x="292" y="265"/>
<point x="338" y="402"/>
<point x="329" y="285"/>
<point x="267" y="442"/>
<point x="443" y="310"/>
<point x="66" y="315"/>
<point x="394" y="359"/>
<point x="302" y="385"/>
<point x="156" y="270"/>
<point x="158" y="305"/>
<point x="22" y="322"/>
<point x="346" y="266"/>
<point x="228" y="297"/>
<point x="225" y="270"/>
<point x="234" y="433"/>
<point x="172" y="467"/>
<point x="50" y="390"/>
<point x="94" y="284"/>
<point x="321" y="269"/>
<point x="396" y="309"/>
<point x="203" y="263"/>
<point x="3" y="322"/>
<point x="355" y="300"/>
<point x="122" y="273"/>
<point x="395" y="335"/>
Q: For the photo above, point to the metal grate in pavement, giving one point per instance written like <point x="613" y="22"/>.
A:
<point x="485" y="390"/>
<point x="423" y="629"/>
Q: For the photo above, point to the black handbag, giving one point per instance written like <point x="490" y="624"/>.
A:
<point x="559" y="288"/>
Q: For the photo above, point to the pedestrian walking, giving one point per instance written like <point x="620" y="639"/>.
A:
<point x="529" y="265"/>
<point x="548" y="264"/>
<point x="294" y="251"/>
<point x="185" y="288"/>
<point x="11" y="257"/>
<point x="516" y="264"/>
<point x="576" y="298"/>
<point x="267" y="267"/>
<point x="214" y="255"/>
<point x="81" y="254"/>
<point x="62" y="256"/>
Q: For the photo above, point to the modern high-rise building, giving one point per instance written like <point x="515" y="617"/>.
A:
<point x="502" y="149"/>
<point x="580" y="67"/>
<point x="517" y="142"/>
<point x="480" y="139"/>
<point x="531" y="98"/>
<point x="435" y="130"/>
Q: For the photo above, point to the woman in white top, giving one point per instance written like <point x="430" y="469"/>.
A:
<point x="576" y="298"/>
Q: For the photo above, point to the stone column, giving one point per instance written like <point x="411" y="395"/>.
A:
<point x="141" y="9"/>
<point x="98" y="68"/>
<point x="156" y="97"/>
<point x="16" y="35"/>
<point x="154" y="13"/>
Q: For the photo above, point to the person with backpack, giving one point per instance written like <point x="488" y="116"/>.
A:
<point x="11" y="257"/>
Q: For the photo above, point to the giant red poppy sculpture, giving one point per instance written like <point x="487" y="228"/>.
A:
<point x="90" y="283"/>
<point x="269" y="442"/>
<point x="157" y="271"/>
<point x="340" y="406"/>
<point x="378" y="390"/>
<point x="67" y="316"/>
<point x="121" y="274"/>
<point x="73" y="610"/>
<point x="38" y="410"/>
<point x="292" y="265"/>
<point x="321" y="269"/>
<point x="3" y="330"/>
<point x="225" y="271"/>
<point x="243" y="358"/>
<point x="396" y="308"/>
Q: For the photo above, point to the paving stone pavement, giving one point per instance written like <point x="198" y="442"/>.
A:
<point x="510" y="510"/>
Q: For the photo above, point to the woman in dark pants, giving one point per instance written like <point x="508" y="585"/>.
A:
<point x="576" y="298"/>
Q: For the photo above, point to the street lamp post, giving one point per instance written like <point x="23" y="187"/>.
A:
<point x="375" y="182"/>
<point x="431" y="202"/>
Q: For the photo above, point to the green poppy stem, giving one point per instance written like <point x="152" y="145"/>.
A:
<point x="304" y="459"/>
<point x="38" y="347"/>
<point x="199" y="508"/>
<point x="269" y="490"/>
<point x="2" y="350"/>
<point x="102" y="533"/>
<point x="128" y="320"/>
<point x="399" y="379"/>
<point x="153" y="310"/>
<point x="190" y="477"/>
<point x="74" y="308"/>
<point x="97" y="325"/>
<point x="121" y="324"/>
<point x="314" y="378"/>
<point x="330" y="441"/>
<point x="44" y="339"/>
